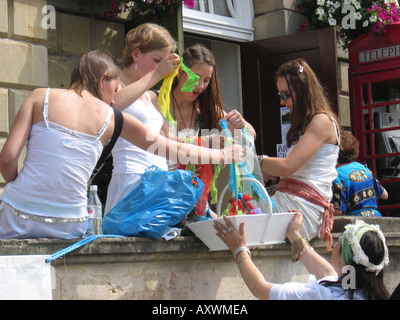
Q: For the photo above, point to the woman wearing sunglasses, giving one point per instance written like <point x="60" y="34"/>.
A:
<point x="306" y="174"/>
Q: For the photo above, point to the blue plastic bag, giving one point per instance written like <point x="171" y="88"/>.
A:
<point x="163" y="199"/>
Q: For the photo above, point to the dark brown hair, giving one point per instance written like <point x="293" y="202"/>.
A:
<point x="349" y="148"/>
<point x="209" y="102"/>
<point x="368" y="283"/>
<point x="310" y="97"/>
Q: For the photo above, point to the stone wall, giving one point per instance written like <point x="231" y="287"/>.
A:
<point x="34" y="56"/>
<point x="179" y="269"/>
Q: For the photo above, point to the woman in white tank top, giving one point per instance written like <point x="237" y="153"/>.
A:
<point x="306" y="174"/>
<point x="147" y="48"/>
<point x="65" y="131"/>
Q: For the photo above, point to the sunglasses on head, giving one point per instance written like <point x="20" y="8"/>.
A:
<point x="284" y="95"/>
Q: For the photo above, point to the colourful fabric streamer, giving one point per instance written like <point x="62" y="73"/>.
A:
<point x="206" y="175"/>
<point x="193" y="79"/>
<point x="233" y="178"/>
<point x="164" y="96"/>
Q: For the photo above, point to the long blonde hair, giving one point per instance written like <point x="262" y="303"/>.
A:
<point x="147" y="37"/>
<point x="89" y="70"/>
<point x="310" y="97"/>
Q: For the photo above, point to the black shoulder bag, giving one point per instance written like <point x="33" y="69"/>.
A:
<point x="101" y="175"/>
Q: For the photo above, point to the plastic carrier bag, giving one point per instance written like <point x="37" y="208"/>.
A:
<point x="245" y="180"/>
<point x="163" y="199"/>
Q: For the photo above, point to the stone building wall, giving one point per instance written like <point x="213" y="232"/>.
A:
<point x="33" y="56"/>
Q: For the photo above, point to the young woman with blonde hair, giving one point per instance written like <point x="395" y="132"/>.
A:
<point x="148" y="58"/>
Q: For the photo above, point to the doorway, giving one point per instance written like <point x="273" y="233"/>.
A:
<point x="261" y="59"/>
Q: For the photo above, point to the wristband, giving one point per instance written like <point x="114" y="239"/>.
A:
<point x="240" y="249"/>
<point x="261" y="158"/>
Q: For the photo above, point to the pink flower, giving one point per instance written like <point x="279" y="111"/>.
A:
<point x="378" y="27"/>
<point x="189" y="3"/>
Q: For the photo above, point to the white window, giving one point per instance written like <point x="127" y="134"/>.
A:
<point x="226" y="19"/>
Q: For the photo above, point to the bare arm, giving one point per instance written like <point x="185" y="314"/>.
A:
<point x="384" y="195"/>
<point x="314" y="263"/>
<point x="17" y="138"/>
<point x="138" y="134"/>
<point x="315" y="135"/>
<point x="251" y="275"/>
<point x="126" y="96"/>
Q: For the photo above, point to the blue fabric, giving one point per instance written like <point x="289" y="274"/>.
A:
<point x="355" y="190"/>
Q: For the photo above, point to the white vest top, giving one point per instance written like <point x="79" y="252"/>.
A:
<point x="320" y="171"/>
<point x="52" y="185"/>
<point x="128" y="158"/>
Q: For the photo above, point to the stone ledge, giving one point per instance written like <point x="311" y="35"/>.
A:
<point x="138" y="249"/>
<point x="387" y="224"/>
<point x="182" y="268"/>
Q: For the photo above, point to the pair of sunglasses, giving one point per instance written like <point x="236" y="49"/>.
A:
<point x="284" y="95"/>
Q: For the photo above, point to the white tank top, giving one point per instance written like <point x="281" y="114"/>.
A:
<point x="52" y="184"/>
<point x="320" y="171"/>
<point x="128" y="158"/>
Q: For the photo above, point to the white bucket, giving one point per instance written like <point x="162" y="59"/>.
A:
<point x="261" y="229"/>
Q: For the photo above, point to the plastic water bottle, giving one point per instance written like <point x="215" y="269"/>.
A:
<point x="95" y="214"/>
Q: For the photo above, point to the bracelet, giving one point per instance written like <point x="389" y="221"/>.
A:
<point x="299" y="248"/>
<point x="261" y="158"/>
<point x="240" y="249"/>
<point x="225" y="158"/>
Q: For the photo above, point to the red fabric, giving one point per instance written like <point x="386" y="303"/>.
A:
<point x="303" y="190"/>
<point x="205" y="174"/>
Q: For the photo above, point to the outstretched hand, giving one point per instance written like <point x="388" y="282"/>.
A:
<point x="293" y="231"/>
<point x="230" y="236"/>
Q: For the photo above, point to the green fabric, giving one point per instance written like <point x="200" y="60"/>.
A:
<point x="213" y="188"/>
<point x="165" y="90"/>
<point x="347" y="252"/>
<point x="193" y="79"/>
<point x="164" y="96"/>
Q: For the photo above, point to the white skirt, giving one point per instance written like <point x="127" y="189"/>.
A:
<point x="14" y="226"/>
<point x="312" y="214"/>
<point x="120" y="186"/>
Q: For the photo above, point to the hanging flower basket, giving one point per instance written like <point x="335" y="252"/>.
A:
<point x="353" y="18"/>
<point x="145" y="8"/>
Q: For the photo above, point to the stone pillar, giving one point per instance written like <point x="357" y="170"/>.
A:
<point x="276" y="18"/>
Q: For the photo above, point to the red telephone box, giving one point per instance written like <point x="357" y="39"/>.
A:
<point x="374" y="79"/>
